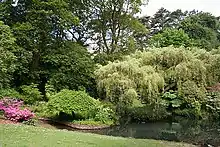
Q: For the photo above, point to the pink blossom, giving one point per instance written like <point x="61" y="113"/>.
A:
<point x="12" y="110"/>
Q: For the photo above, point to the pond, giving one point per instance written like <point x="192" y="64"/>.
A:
<point x="189" y="131"/>
<point x="194" y="132"/>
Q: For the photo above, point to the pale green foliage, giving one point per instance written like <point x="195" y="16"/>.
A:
<point x="122" y="80"/>
<point x="149" y="73"/>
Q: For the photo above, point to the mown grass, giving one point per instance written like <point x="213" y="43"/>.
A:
<point x="28" y="136"/>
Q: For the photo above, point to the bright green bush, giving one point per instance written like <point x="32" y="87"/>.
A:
<point x="170" y="36"/>
<point x="31" y="94"/>
<point x="40" y="109"/>
<point x="72" y="102"/>
<point x="171" y="100"/>
<point x="10" y="93"/>
<point x="50" y="90"/>
<point x="104" y="114"/>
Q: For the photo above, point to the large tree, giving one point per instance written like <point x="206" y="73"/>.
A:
<point x="40" y="29"/>
<point x="204" y="28"/>
<point x="114" y="23"/>
<point x="201" y="27"/>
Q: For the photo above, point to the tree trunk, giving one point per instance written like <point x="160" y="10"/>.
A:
<point x="42" y="87"/>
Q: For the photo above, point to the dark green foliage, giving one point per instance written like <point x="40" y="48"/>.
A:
<point x="148" y="113"/>
<point x="104" y="58"/>
<point x="203" y="28"/>
<point x="163" y="18"/>
<point x="72" y="102"/>
<point x="40" y="31"/>
<point x="182" y="105"/>
<point x="67" y="68"/>
<point x="114" y="24"/>
<point x="212" y="104"/>
<point x="200" y="27"/>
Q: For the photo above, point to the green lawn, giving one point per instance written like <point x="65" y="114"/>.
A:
<point x="28" y="136"/>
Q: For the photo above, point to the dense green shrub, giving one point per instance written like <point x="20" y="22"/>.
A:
<point x="171" y="100"/>
<point x="50" y="90"/>
<point x="212" y="104"/>
<point x="104" y="114"/>
<point x="31" y="94"/>
<point x="40" y="109"/>
<point x="148" y="113"/>
<point x="10" y="93"/>
<point x="170" y="36"/>
<point x="72" y="102"/>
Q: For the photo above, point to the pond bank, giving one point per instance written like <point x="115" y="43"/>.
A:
<point x="74" y="125"/>
<point x="23" y="135"/>
<point x="192" y="132"/>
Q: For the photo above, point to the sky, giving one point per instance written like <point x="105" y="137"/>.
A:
<point x="212" y="6"/>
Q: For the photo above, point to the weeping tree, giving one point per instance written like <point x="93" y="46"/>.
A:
<point x="128" y="80"/>
<point x="147" y="75"/>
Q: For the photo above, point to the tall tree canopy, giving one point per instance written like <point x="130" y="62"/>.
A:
<point x="204" y="28"/>
<point x="40" y="29"/>
<point x="7" y="58"/>
<point x="201" y="27"/>
<point x="175" y="37"/>
<point x="114" y="23"/>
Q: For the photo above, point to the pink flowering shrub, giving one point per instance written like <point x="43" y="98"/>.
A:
<point x="12" y="110"/>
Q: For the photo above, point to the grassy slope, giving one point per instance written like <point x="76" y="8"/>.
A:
<point x="27" y="136"/>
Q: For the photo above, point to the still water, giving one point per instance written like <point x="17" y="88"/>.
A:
<point x="194" y="132"/>
<point x="189" y="131"/>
